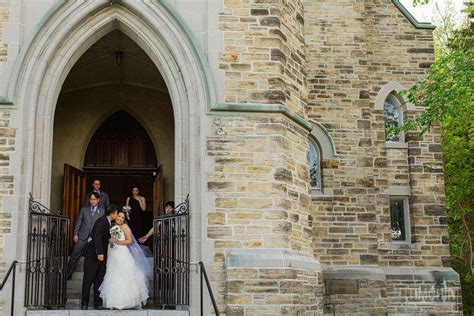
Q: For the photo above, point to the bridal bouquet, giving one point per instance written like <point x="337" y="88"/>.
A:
<point x="114" y="234"/>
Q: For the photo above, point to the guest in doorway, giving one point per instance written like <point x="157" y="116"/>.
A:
<point x="104" y="197"/>
<point x="169" y="209"/>
<point x="137" y="205"/>
<point x="88" y="215"/>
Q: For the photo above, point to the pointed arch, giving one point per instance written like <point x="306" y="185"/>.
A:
<point x="67" y="34"/>
<point x="388" y="89"/>
<point x="135" y="147"/>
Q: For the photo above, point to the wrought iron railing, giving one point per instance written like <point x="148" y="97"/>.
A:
<point x="171" y="258"/>
<point x="209" y="289"/>
<point x="46" y="257"/>
<point x="11" y="270"/>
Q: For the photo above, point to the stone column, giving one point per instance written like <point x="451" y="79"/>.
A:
<point x="261" y="223"/>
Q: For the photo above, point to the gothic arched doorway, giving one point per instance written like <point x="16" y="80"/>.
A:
<point x="36" y="90"/>
<point x="113" y="122"/>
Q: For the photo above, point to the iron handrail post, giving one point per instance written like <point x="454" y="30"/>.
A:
<point x="5" y="279"/>
<point x="202" y="294"/>
<point x="209" y="289"/>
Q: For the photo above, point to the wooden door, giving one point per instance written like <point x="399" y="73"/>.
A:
<point x="158" y="192"/>
<point x="75" y="190"/>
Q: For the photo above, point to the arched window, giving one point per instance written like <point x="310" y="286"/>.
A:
<point x="393" y="117"/>
<point x="321" y="147"/>
<point x="314" y="165"/>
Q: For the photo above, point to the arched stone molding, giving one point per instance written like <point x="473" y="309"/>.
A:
<point x="386" y="90"/>
<point x="68" y="32"/>
<point x="322" y="137"/>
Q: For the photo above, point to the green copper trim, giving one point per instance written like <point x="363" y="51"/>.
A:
<point x="263" y="108"/>
<point x="411" y="18"/>
<point x="203" y="62"/>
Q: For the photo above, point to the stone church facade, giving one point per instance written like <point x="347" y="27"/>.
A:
<point x="300" y="204"/>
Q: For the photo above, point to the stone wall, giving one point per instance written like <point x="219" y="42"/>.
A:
<point x="268" y="291"/>
<point x="336" y="51"/>
<point x="4" y="17"/>
<point x="7" y="146"/>
<point x="387" y="291"/>
<point x="409" y="294"/>
<point x="263" y="55"/>
<point x="342" y="95"/>
<point x="7" y="143"/>
<point x="260" y="186"/>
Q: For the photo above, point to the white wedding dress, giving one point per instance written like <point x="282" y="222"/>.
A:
<point x="124" y="285"/>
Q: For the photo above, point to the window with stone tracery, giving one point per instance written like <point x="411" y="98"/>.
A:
<point x="393" y="117"/>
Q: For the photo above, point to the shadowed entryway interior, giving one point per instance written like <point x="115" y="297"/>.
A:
<point x="122" y="155"/>
<point x="114" y="120"/>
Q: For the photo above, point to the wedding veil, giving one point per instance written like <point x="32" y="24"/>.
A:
<point x="143" y="263"/>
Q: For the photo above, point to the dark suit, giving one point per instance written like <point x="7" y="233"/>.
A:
<point x="94" y="270"/>
<point x="104" y="201"/>
<point x="83" y="229"/>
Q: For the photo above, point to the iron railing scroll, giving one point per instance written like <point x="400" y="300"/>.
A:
<point x="209" y="290"/>
<point x="172" y="257"/>
<point x="12" y="271"/>
<point x="47" y="253"/>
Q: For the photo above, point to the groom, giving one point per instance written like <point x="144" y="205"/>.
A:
<point x="96" y="257"/>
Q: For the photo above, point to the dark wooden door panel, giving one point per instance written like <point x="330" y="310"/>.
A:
<point x="158" y="192"/>
<point x="120" y="142"/>
<point x="74" y="194"/>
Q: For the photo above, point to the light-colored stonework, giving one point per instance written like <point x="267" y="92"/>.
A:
<point x="4" y="17"/>
<point x="247" y="79"/>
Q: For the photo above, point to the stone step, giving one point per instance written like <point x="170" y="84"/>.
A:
<point x="74" y="285"/>
<point x="107" y="313"/>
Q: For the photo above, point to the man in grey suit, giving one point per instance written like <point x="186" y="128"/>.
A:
<point x="82" y="231"/>
<point x="104" y="201"/>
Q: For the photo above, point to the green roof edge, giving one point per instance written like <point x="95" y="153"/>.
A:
<point x="411" y="18"/>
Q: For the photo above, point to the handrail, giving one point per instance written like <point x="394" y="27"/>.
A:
<point x="209" y="289"/>
<point x="5" y="279"/>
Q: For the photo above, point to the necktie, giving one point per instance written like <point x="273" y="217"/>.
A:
<point x="93" y="210"/>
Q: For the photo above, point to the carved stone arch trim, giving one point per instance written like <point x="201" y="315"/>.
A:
<point x="386" y="90"/>
<point x="68" y="34"/>
<point x="323" y="139"/>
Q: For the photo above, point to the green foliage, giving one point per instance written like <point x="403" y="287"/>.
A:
<point x="417" y="2"/>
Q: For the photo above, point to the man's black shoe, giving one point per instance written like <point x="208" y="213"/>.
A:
<point x="101" y="307"/>
<point x="84" y="307"/>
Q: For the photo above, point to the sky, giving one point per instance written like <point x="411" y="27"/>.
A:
<point x="428" y="12"/>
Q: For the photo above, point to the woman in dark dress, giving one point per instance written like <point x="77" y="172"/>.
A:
<point x="137" y="204"/>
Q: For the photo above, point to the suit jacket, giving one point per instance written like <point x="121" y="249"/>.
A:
<point x="104" y="201"/>
<point x="100" y="238"/>
<point x="85" y="222"/>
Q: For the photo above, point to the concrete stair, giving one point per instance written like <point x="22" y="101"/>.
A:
<point x="74" y="288"/>
<point x="107" y="313"/>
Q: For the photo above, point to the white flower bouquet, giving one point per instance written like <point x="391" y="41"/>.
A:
<point x="114" y="234"/>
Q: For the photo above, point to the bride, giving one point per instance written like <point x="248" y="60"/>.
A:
<point x="124" y="285"/>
